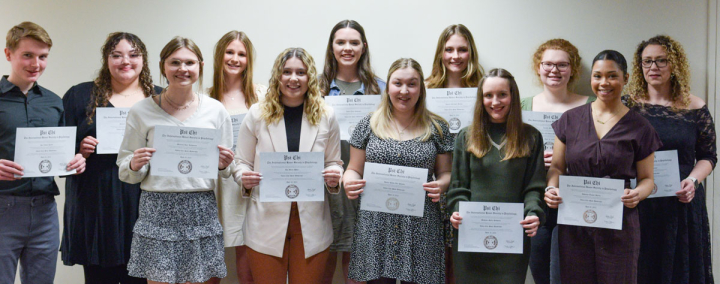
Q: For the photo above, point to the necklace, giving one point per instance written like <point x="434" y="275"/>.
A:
<point x="128" y="95"/>
<point x="597" y="117"/>
<point x="401" y="132"/>
<point x="176" y="105"/>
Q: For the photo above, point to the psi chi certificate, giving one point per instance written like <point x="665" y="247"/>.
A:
<point x="236" y="122"/>
<point x="110" y="128"/>
<point x="491" y="227"/>
<point x="185" y="152"/>
<point x="292" y="176"/>
<point x="350" y="110"/>
<point x="666" y="174"/>
<point x="456" y="105"/>
<point x="591" y="202"/>
<point x="394" y="189"/>
<point x="44" y="151"/>
<point x="542" y="121"/>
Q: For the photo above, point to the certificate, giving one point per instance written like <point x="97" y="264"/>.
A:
<point x="236" y="122"/>
<point x="185" y="152"/>
<point x="491" y="227"/>
<point x="394" y="189"/>
<point x="44" y="151"/>
<point x="110" y="128"/>
<point x="292" y="176"/>
<point x="350" y="110"/>
<point x="456" y="105"/>
<point x="666" y="174"/>
<point x="542" y="121"/>
<point x="591" y="202"/>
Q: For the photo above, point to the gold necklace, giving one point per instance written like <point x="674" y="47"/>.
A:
<point x="597" y="118"/>
<point x="176" y="105"/>
<point x="401" y="132"/>
<point x="128" y="95"/>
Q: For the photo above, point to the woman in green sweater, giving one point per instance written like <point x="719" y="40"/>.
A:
<point x="497" y="158"/>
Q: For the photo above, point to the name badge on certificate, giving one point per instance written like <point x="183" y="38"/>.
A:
<point x="666" y="174"/>
<point x="110" y="128"/>
<point x="456" y="105"/>
<point x="542" y="121"/>
<point x="491" y="227"/>
<point x="292" y="176"/>
<point x="350" y="110"/>
<point x="44" y="151"/>
<point x="394" y="189"/>
<point x="591" y="202"/>
<point x="185" y="152"/>
<point x="236" y="122"/>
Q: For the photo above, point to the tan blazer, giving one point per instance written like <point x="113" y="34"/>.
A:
<point x="266" y="224"/>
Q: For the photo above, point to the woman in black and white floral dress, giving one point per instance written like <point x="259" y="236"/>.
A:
<point x="389" y="247"/>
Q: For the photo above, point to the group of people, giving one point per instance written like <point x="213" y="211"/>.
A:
<point x="125" y="225"/>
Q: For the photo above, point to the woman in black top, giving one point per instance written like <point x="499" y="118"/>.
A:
<point x="101" y="210"/>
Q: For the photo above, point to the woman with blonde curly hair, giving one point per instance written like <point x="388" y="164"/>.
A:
<point x="288" y="241"/>
<point x="100" y="210"/>
<point x="675" y="233"/>
<point x="556" y="63"/>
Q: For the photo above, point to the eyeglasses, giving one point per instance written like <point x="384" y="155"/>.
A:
<point x="177" y="64"/>
<point x="130" y="57"/>
<point x="660" y="62"/>
<point x="548" y="66"/>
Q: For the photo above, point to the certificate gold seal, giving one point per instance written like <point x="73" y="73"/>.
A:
<point x="490" y="242"/>
<point x="454" y="123"/>
<point x="590" y="216"/>
<point x="351" y="129"/>
<point x="549" y="146"/>
<point x="292" y="191"/>
<point x="45" y="166"/>
<point x="654" y="189"/>
<point x="185" y="167"/>
<point x="392" y="204"/>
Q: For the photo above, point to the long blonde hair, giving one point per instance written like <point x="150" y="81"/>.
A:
<point x="473" y="72"/>
<point x="679" y="78"/>
<point x="272" y="108"/>
<point x="518" y="144"/>
<point x="381" y="119"/>
<point x="219" y="88"/>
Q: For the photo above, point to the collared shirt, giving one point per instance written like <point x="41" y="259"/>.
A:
<point x="335" y="90"/>
<point x="40" y="108"/>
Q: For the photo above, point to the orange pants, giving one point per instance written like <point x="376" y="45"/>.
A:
<point x="293" y="267"/>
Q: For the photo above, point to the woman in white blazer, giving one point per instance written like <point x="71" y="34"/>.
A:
<point x="288" y="240"/>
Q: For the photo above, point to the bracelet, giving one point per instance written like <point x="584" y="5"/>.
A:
<point x="549" y="187"/>
<point x="694" y="181"/>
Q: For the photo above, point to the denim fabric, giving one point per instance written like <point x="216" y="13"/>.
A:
<point x="335" y="90"/>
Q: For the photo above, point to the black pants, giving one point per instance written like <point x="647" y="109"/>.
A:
<point x="95" y="274"/>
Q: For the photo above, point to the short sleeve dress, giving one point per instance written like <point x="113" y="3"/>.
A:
<point x="612" y="253"/>
<point x="100" y="210"/>
<point x="403" y="247"/>
<point x="675" y="245"/>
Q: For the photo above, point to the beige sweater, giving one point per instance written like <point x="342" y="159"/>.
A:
<point x="140" y="130"/>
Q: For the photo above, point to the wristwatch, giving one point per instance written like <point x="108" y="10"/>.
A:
<point x="694" y="180"/>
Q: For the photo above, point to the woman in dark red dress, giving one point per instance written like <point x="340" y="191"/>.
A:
<point x="603" y="139"/>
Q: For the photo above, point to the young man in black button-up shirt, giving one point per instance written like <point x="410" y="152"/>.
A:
<point x="29" y="230"/>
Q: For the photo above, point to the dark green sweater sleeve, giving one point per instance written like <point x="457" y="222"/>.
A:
<point x="534" y="179"/>
<point x="459" y="189"/>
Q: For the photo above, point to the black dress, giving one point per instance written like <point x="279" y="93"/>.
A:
<point x="675" y="245"/>
<point x="100" y="210"/>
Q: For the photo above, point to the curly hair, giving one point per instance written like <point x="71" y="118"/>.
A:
<point x="102" y="89"/>
<point x="473" y="72"/>
<point x="564" y="45"/>
<point x="218" y="88"/>
<point x="272" y="108"/>
<point x="364" y="70"/>
<point x="679" y="78"/>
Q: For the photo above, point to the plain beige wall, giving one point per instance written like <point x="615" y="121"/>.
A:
<point x="506" y="32"/>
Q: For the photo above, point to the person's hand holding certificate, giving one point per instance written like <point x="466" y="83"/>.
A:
<point x="394" y="189"/>
<point x="185" y="152"/>
<point x="292" y="176"/>
<point x="591" y="202"/>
